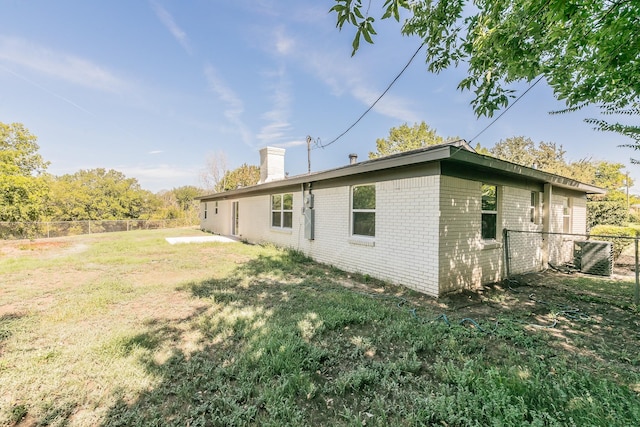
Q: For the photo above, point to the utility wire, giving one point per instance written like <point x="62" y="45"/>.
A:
<point x="506" y="109"/>
<point x="376" y="101"/>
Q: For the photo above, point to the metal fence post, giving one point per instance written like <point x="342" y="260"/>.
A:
<point x="636" y="296"/>
<point x="505" y="233"/>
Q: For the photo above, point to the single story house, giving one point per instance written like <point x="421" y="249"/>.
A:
<point x="431" y="219"/>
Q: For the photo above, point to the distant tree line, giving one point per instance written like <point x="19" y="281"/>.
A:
<point x="28" y="193"/>
<point x="610" y="209"/>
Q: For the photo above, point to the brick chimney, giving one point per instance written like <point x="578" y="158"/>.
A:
<point x="271" y="164"/>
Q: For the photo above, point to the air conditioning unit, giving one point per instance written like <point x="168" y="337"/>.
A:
<point x="593" y="257"/>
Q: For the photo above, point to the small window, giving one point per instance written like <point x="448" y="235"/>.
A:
<point x="535" y="209"/>
<point x="216" y="211"/>
<point x="363" y="210"/>
<point x="489" y="211"/>
<point x="205" y="210"/>
<point x="566" y="215"/>
<point x="282" y="210"/>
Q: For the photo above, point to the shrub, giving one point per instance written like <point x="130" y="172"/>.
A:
<point x="606" y="213"/>
<point x="611" y="233"/>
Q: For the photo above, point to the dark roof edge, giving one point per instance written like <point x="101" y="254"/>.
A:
<point x="458" y="151"/>
<point x="555" y="180"/>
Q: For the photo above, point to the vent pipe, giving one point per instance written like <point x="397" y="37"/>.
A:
<point x="353" y="159"/>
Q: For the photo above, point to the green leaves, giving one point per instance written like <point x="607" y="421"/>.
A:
<point x="587" y="51"/>
<point x="405" y="138"/>
<point x="23" y="188"/>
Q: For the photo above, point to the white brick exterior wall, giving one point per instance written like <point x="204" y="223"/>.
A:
<point x="404" y="250"/>
<point x="428" y="231"/>
<point x="466" y="260"/>
<point x="525" y="249"/>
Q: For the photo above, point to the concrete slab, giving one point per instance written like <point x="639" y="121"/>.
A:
<point x="201" y="239"/>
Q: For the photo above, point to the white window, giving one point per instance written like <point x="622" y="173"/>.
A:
<point x="489" y="211"/>
<point x="216" y="211"/>
<point x="205" y="210"/>
<point x="566" y="215"/>
<point x="363" y="210"/>
<point x="535" y="208"/>
<point x="282" y="210"/>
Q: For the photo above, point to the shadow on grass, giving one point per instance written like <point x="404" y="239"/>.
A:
<point x="281" y="341"/>
<point x="7" y="322"/>
<point x="254" y="361"/>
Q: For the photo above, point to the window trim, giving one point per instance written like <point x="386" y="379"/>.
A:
<point x="361" y="210"/>
<point x="567" y="215"/>
<point x="489" y="212"/>
<point x="216" y="210"/>
<point x="282" y="211"/>
<point x="534" y="209"/>
<point x="205" y="210"/>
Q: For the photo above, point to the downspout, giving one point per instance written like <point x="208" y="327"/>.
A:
<point x="546" y="223"/>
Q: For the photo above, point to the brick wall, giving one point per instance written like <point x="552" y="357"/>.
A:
<point x="428" y="231"/>
<point x="466" y="261"/>
<point x="404" y="250"/>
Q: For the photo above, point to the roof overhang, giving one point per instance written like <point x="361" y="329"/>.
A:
<point x="457" y="152"/>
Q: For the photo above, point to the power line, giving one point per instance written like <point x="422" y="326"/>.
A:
<point x="376" y="101"/>
<point x="507" y="109"/>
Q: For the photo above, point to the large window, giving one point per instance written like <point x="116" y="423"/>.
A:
<point x="489" y="211"/>
<point x="282" y="210"/>
<point x="363" y="210"/>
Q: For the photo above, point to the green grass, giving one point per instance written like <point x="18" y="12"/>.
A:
<point x="133" y="331"/>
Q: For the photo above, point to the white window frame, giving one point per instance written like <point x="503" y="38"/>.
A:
<point x="205" y="210"/>
<point x="489" y="212"/>
<point x="534" y="209"/>
<point x="567" y="217"/>
<point x="355" y="211"/>
<point x="216" y="210"/>
<point x="281" y="211"/>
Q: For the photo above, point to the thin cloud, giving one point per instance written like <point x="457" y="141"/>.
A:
<point x="337" y="73"/>
<point x="44" y="89"/>
<point x="60" y="65"/>
<point x="234" y="105"/>
<point x="294" y="143"/>
<point x="167" y="20"/>
<point x="278" y="117"/>
<point x="283" y="43"/>
<point x="156" y="152"/>
<point x="157" y="172"/>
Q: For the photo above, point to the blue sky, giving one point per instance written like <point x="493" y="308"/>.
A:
<point x="154" y="88"/>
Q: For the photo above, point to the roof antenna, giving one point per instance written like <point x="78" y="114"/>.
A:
<point x="308" y="154"/>
<point x="315" y="142"/>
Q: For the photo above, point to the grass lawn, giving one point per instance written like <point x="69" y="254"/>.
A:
<point x="123" y="329"/>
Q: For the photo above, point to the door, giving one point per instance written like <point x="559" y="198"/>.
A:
<point x="235" y="218"/>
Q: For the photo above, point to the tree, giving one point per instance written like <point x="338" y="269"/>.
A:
<point x="522" y="150"/>
<point x="631" y="131"/>
<point x="98" y="194"/>
<point x="586" y="50"/>
<point x="23" y="187"/>
<point x="405" y="138"/>
<point x="549" y="157"/>
<point x="215" y="171"/>
<point x="179" y="203"/>
<point x="517" y="149"/>
<point x="243" y="176"/>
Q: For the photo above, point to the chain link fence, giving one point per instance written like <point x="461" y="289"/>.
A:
<point x="599" y="255"/>
<point x="39" y="230"/>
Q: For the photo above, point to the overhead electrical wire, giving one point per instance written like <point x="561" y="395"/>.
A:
<point x="320" y="145"/>
<point x="376" y="101"/>
<point x="507" y="109"/>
